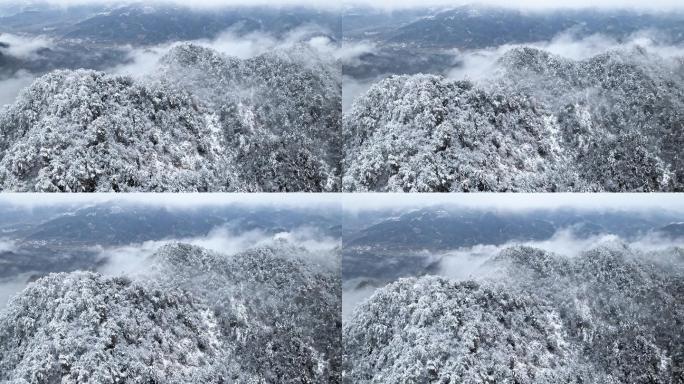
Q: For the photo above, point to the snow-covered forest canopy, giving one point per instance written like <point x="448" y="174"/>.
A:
<point x="170" y="288"/>
<point x="167" y="98"/>
<point x="512" y="98"/>
<point x="265" y="315"/>
<point x="202" y="122"/>
<point x="610" y="315"/>
<point x="538" y="122"/>
<point x="417" y="99"/>
<point x="532" y="288"/>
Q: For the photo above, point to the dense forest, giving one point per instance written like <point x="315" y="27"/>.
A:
<point x="268" y="314"/>
<point x="610" y="315"/>
<point x="539" y="122"/>
<point x="202" y="122"/>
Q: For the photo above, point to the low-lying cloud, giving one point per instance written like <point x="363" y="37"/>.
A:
<point x="469" y="263"/>
<point x="132" y="259"/>
<point x="481" y="64"/>
<point x="353" y="88"/>
<point x="7" y="245"/>
<point x="9" y="287"/>
<point x="11" y="86"/>
<point x="23" y="47"/>
<point x="143" y="61"/>
<point x="465" y="263"/>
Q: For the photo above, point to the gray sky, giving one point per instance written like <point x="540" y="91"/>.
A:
<point x="391" y="4"/>
<point x="519" y="201"/>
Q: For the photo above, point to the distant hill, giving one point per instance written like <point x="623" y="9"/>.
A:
<point x="144" y="24"/>
<point x="471" y="27"/>
<point x="673" y="230"/>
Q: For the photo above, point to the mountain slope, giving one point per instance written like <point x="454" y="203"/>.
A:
<point x="609" y="315"/>
<point x="289" y="307"/>
<point x="279" y="111"/>
<point x="426" y="133"/>
<point x="264" y="315"/>
<point x="83" y="327"/>
<point x="84" y="131"/>
<point x="540" y="123"/>
<point x="619" y="111"/>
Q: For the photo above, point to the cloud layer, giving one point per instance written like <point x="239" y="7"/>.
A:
<point x="468" y="263"/>
<point x="10" y="287"/>
<point x="23" y="48"/>
<point x="481" y="64"/>
<point x="7" y="245"/>
<point x="465" y="263"/>
<point x="132" y="259"/>
<point x="143" y="61"/>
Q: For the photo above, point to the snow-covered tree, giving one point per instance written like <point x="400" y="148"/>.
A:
<point x="202" y="122"/>
<point x="610" y="315"/>
<point x="538" y="123"/>
<point x="266" y="315"/>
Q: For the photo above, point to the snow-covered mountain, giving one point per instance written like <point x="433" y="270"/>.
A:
<point x="540" y="122"/>
<point x="205" y="122"/>
<point x="610" y="315"/>
<point x="267" y="315"/>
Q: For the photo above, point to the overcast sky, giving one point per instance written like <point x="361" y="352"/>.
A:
<point x="391" y="4"/>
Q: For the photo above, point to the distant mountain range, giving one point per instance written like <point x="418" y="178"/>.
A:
<point x="673" y="230"/>
<point x="63" y="238"/>
<point x="471" y="27"/>
<point x="143" y="24"/>
<point x="391" y="245"/>
<point x="424" y="40"/>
